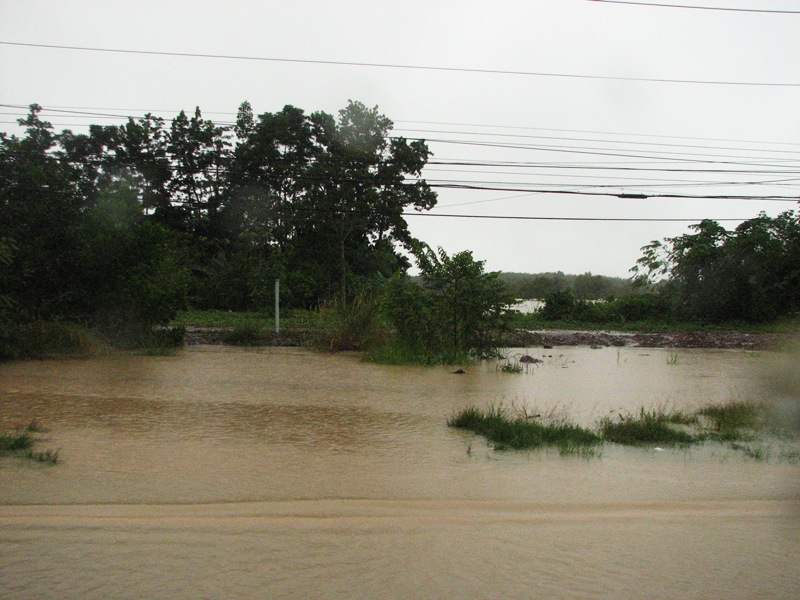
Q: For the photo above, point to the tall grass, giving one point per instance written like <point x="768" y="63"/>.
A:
<point x="357" y="324"/>
<point x="735" y="423"/>
<point x="655" y="426"/>
<point x="246" y="333"/>
<point x="20" y="442"/>
<point x="14" y="441"/>
<point x="393" y="350"/>
<point x="517" y="430"/>
<point x="732" y="416"/>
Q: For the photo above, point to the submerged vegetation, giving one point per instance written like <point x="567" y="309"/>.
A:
<point x="739" y="424"/>
<point x="648" y="427"/>
<point x="517" y="430"/>
<point x="20" y="442"/>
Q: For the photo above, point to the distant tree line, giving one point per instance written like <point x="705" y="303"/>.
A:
<point x="527" y="286"/>
<point x="711" y="275"/>
<point x="120" y="227"/>
<point x="749" y="274"/>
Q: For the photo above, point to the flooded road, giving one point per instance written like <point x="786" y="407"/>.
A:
<point x="223" y="472"/>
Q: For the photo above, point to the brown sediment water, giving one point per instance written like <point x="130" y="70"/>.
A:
<point x="224" y="472"/>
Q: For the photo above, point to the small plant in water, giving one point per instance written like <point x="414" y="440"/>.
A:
<point x="757" y="453"/>
<point x="518" y="430"/>
<point x="646" y="427"/>
<point x="21" y="441"/>
<point x="736" y="424"/>
<point x="511" y="367"/>
<point x="46" y="456"/>
<point x="732" y="416"/>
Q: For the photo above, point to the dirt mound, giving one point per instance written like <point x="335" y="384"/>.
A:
<point x="701" y="339"/>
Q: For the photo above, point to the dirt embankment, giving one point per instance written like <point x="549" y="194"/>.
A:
<point x="521" y="338"/>
<point x="700" y="339"/>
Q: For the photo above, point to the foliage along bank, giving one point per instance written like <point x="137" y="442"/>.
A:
<point x="121" y="227"/>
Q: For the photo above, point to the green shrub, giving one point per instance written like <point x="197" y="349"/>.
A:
<point x="43" y="339"/>
<point x="558" y="305"/>
<point x="642" y="307"/>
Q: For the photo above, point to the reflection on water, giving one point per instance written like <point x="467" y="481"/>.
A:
<point x="225" y="472"/>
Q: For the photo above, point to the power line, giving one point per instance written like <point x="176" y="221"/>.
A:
<point x="581" y="139"/>
<point x="599" y="167"/>
<point x="722" y="8"/>
<point x="648" y="135"/>
<point x="528" y="218"/>
<point x="83" y="110"/>
<point x="402" y="66"/>
<point x="595" y="152"/>
<point x="573" y="192"/>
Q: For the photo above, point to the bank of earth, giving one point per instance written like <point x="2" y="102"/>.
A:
<point x="521" y="338"/>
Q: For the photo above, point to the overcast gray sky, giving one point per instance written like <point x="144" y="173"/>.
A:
<point x="577" y="88"/>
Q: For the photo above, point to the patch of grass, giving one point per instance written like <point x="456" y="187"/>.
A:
<point x="52" y="339"/>
<point x="536" y="321"/>
<point x="519" y="431"/>
<point x="647" y="427"/>
<point x="732" y="416"/>
<point x="15" y="441"/>
<point x="736" y="424"/>
<point x="510" y="366"/>
<point x="357" y="324"/>
<point x="45" y="456"/>
<point x="396" y="351"/>
<point x="757" y="453"/>
<point x="228" y="318"/>
<point x="791" y="456"/>
<point x="20" y="442"/>
<point x="246" y="333"/>
<point x="217" y="318"/>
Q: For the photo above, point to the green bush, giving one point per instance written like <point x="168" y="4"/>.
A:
<point x="558" y="305"/>
<point x="642" y="307"/>
<point x="452" y="313"/>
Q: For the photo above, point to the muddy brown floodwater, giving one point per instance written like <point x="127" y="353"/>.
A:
<point x="284" y="473"/>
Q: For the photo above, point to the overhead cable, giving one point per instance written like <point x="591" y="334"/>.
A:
<point x="154" y="111"/>
<point x="693" y="7"/>
<point x="342" y="63"/>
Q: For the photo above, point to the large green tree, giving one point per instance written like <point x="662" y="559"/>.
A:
<point x="751" y="273"/>
<point x="83" y="247"/>
<point x="41" y="215"/>
<point x="322" y="198"/>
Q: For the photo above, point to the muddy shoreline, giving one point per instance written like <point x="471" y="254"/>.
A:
<point x="522" y="338"/>
<point x="698" y="339"/>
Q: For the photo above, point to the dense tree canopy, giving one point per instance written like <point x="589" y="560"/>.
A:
<point x="136" y="219"/>
<point x="751" y="273"/>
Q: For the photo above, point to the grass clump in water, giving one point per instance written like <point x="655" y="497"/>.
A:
<point x="511" y="366"/>
<point x="656" y="426"/>
<point x="20" y="442"/>
<point x="15" y="441"/>
<point x="520" y="431"/>
<point x="732" y="416"/>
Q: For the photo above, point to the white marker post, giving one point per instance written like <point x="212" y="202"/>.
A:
<point x="277" y="307"/>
